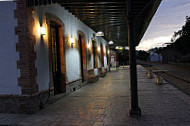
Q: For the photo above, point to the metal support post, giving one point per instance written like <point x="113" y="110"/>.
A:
<point x="135" y="110"/>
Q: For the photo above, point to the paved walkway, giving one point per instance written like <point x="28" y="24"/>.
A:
<point x="107" y="103"/>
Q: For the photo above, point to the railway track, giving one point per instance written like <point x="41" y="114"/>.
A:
<point x="178" y="82"/>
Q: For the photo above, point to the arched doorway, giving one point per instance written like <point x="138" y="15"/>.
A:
<point x="82" y="51"/>
<point x="55" y="57"/>
<point x="108" y="58"/>
<point x="102" y="54"/>
<point x="56" y="54"/>
<point x="95" y="57"/>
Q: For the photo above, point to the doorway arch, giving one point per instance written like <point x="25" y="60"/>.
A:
<point x="82" y="53"/>
<point x="102" y="54"/>
<point x="95" y="53"/>
<point x="56" y="54"/>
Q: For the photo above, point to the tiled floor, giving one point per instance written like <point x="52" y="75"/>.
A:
<point x="107" y="102"/>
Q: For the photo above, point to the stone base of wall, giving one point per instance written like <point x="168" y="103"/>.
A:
<point x="71" y="87"/>
<point x="23" y="104"/>
<point x="31" y="104"/>
<point x="74" y="85"/>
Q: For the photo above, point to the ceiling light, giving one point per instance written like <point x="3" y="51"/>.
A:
<point x="110" y="42"/>
<point x="126" y="48"/>
<point x="121" y="48"/>
<point x="100" y="33"/>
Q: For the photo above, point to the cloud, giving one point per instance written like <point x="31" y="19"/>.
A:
<point x="154" y="42"/>
<point x="170" y="17"/>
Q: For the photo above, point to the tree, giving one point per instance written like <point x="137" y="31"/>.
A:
<point x="182" y="38"/>
<point x="142" y="55"/>
<point x="123" y="56"/>
<point x="185" y="31"/>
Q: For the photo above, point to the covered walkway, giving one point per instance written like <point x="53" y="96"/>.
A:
<point x="107" y="102"/>
<point x="59" y="46"/>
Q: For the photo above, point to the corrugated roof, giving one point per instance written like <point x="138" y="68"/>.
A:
<point x="109" y="16"/>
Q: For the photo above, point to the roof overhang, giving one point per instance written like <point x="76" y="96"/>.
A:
<point x="109" y="16"/>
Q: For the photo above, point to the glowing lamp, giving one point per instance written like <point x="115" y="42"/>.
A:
<point x="126" y="48"/>
<point x="99" y="49"/>
<point x="42" y="31"/>
<point x="72" y="41"/>
<point x="100" y="33"/>
<point x="117" y="47"/>
<point x="89" y="45"/>
<point x="110" y="42"/>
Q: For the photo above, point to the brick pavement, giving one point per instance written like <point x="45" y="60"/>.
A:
<point x="106" y="103"/>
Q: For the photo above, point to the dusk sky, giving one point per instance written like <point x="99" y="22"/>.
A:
<point x="170" y="17"/>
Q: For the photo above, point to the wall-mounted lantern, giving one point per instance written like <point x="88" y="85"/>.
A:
<point x="72" y="41"/>
<point x="42" y="31"/>
<point x="99" y="49"/>
<point x="89" y="45"/>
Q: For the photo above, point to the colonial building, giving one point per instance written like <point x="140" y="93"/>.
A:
<point x="45" y="51"/>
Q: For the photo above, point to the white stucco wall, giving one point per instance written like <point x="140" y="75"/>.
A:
<point x="105" y="56"/>
<point x="8" y="55"/>
<point x="105" y="61"/>
<point x="72" y="57"/>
